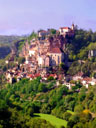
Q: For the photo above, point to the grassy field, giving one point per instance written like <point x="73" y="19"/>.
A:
<point x="52" y="119"/>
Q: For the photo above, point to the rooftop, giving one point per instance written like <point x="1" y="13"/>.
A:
<point x="64" y="28"/>
<point x="55" y="50"/>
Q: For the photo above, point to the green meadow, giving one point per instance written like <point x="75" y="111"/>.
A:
<point x="52" y="119"/>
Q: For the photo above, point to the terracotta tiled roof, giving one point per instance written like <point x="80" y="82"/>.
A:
<point x="53" y="75"/>
<point x="55" y="50"/>
<point x="87" y="79"/>
<point x="37" y="75"/>
<point x="64" y="28"/>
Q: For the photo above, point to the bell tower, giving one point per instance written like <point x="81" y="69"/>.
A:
<point x="72" y="27"/>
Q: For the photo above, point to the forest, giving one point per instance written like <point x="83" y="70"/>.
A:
<point x="22" y="100"/>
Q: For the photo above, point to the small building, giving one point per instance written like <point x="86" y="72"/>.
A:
<point x="78" y="76"/>
<point x="88" y="81"/>
<point x="66" y="31"/>
<point x="43" y="33"/>
<point x="92" y="53"/>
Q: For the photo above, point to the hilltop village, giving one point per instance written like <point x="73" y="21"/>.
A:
<point x="48" y="51"/>
<point x="44" y="56"/>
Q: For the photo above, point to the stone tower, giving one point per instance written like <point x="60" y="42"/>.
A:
<point x="72" y="27"/>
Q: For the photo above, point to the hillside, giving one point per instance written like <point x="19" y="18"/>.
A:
<point x="8" y="39"/>
<point x="58" y="123"/>
<point x="78" y="47"/>
<point x="7" y="43"/>
<point x="4" y="51"/>
<point x="36" y="102"/>
<point x="25" y="98"/>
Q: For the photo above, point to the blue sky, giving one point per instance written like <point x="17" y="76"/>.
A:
<point x="23" y="16"/>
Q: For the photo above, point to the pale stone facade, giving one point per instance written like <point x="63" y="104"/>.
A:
<point x="64" y="30"/>
<point x="56" y="56"/>
<point x="67" y="31"/>
<point x="43" y="61"/>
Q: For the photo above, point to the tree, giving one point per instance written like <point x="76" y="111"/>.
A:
<point x="78" y="108"/>
<point x="70" y="124"/>
<point x="79" y="125"/>
<point x="53" y="31"/>
<point x="94" y="74"/>
<point x="50" y="85"/>
<point x="42" y="87"/>
<point x="30" y="111"/>
<point x="3" y="105"/>
<point x="46" y="108"/>
<point x="81" y="96"/>
<point x="21" y="60"/>
<point x="93" y="124"/>
<point x="32" y="36"/>
<point x="62" y="66"/>
<point x="66" y="116"/>
<point x="63" y="90"/>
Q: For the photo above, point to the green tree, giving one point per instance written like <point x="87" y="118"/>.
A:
<point x="66" y="116"/>
<point x="53" y="31"/>
<point x="42" y="87"/>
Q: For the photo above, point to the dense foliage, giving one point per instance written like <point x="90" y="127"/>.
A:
<point x="79" y="46"/>
<point x="4" y="51"/>
<point x="21" y="100"/>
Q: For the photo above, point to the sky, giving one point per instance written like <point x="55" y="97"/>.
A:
<point x="20" y="17"/>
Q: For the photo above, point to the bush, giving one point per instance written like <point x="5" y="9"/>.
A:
<point x="30" y="111"/>
<point x="46" y="109"/>
<point x="66" y="116"/>
<point x="50" y="85"/>
<point x="78" y="108"/>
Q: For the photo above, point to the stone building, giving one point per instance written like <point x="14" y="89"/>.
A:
<point x="66" y="31"/>
<point x="42" y="34"/>
<point x="56" y="56"/>
<point x="43" y="61"/>
<point x="32" y="50"/>
<point x="43" y="47"/>
<point x="92" y="53"/>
